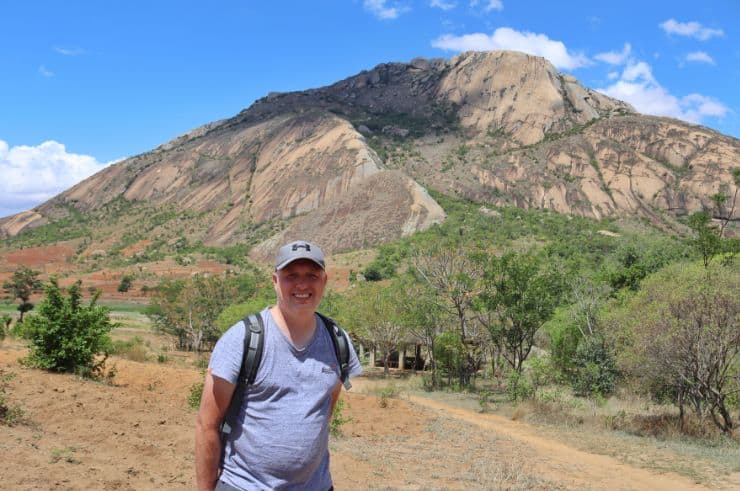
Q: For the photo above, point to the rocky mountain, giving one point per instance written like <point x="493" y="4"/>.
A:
<point x="350" y="164"/>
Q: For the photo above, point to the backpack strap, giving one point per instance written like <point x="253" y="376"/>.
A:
<point x="341" y="348"/>
<point x="254" y="339"/>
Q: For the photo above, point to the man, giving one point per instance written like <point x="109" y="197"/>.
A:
<point x="281" y="437"/>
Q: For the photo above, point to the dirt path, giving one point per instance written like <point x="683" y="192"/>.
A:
<point x="561" y="463"/>
<point x="138" y="434"/>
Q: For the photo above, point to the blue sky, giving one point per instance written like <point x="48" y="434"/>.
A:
<point x="84" y="83"/>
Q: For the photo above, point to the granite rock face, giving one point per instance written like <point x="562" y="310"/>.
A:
<point x="350" y="163"/>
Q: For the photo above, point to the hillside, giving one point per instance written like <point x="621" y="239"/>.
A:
<point x="349" y="165"/>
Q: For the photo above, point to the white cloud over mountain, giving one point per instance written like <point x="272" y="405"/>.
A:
<point x="637" y="86"/>
<point x="505" y="38"/>
<point x="32" y="175"/>
<point x="690" y="29"/>
<point x="615" y="57"/>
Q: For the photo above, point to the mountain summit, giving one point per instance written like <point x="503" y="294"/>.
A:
<point x="349" y="164"/>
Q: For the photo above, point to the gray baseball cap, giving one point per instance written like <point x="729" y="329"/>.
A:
<point x="299" y="249"/>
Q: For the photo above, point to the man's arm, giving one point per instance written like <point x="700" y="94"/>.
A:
<point x="214" y="403"/>
<point x="335" y="396"/>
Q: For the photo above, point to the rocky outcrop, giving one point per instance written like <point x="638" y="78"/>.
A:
<point x="349" y="163"/>
<point x="520" y="95"/>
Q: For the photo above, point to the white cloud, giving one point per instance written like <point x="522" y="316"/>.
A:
<point x="441" y="4"/>
<point x="505" y="38"/>
<point x="700" y="56"/>
<point x="32" y="175"/>
<point x="380" y="10"/>
<point x="494" y="5"/>
<point x="69" y="51"/>
<point x="45" y="72"/>
<point x="613" y="75"/>
<point x="615" y="58"/>
<point x="490" y="4"/>
<point x="638" y="86"/>
<point x="690" y="29"/>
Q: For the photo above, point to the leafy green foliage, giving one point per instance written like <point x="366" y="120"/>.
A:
<point x="678" y="337"/>
<point x="523" y="291"/>
<point x="706" y="239"/>
<point x="189" y="308"/>
<point x="595" y="368"/>
<point x="338" y="419"/>
<point x="67" y="336"/>
<point x="449" y="353"/>
<point x="195" y="394"/>
<point x="236" y="312"/>
<point x="125" y="284"/>
<point x="21" y="285"/>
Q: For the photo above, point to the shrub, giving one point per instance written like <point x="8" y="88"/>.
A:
<point x="595" y="368"/>
<point x="125" y="284"/>
<point x="338" y="420"/>
<point x="518" y="387"/>
<point x="5" y="321"/>
<point x="449" y="351"/>
<point x="67" y="336"/>
<point x="679" y="338"/>
<point x="196" y="392"/>
<point x="9" y="415"/>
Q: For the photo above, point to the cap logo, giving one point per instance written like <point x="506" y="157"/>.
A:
<point x="298" y="246"/>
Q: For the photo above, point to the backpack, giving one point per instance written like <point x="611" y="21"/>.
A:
<point x="254" y="337"/>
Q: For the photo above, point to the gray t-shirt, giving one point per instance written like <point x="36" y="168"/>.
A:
<point x="281" y="438"/>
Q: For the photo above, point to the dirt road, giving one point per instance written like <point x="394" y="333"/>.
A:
<point x="138" y="434"/>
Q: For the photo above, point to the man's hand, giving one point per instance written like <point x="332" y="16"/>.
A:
<point x="214" y="403"/>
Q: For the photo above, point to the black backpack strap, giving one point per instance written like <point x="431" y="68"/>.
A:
<point x="254" y="339"/>
<point x="341" y="348"/>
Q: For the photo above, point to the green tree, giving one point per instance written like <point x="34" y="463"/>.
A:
<point x="125" y="284"/>
<point x="188" y="309"/>
<point x="21" y="285"/>
<point x="453" y="272"/>
<point x="67" y="336"/>
<point x="706" y="240"/>
<point x="522" y="292"/>
<point x="679" y="338"/>
<point x="422" y="316"/>
<point x="374" y="316"/>
<point x="449" y="353"/>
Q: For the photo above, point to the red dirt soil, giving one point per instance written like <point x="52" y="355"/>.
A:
<point x="138" y="434"/>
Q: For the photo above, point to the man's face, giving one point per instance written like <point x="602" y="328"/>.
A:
<point x="299" y="286"/>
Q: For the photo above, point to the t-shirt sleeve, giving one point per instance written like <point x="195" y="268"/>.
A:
<point x="354" y="363"/>
<point x="226" y="359"/>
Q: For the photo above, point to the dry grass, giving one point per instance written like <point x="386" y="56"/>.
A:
<point x="481" y="461"/>
<point x="627" y="427"/>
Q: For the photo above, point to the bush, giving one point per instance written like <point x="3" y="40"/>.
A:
<point x="9" y="415"/>
<point x="125" y="284"/>
<point x="196" y="392"/>
<point x="67" y="336"/>
<point x="518" y="387"/>
<point x="595" y="368"/>
<point x="337" y="420"/>
<point x="449" y="351"/>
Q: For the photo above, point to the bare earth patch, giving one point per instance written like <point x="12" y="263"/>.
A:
<point x="138" y="434"/>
